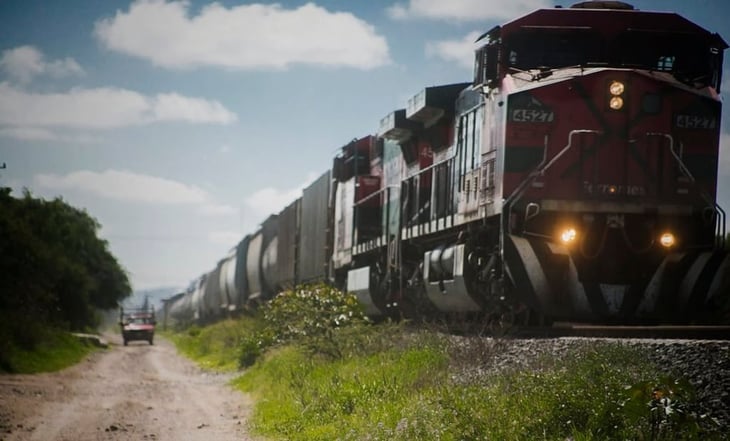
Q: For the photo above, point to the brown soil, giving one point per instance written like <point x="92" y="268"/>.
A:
<point x="135" y="392"/>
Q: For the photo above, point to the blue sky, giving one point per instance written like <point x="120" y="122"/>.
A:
<point x="181" y="125"/>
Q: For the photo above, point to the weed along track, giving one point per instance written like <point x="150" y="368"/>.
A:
<point x="702" y="366"/>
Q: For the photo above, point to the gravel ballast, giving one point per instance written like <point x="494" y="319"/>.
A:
<point x="704" y="363"/>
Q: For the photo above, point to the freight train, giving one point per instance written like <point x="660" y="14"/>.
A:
<point x="574" y="178"/>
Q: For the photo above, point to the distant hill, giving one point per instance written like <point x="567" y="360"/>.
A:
<point x="154" y="296"/>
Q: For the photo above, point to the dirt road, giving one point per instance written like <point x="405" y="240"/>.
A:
<point x="136" y="392"/>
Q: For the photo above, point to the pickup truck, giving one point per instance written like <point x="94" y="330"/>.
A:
<point x="137" y="324"/>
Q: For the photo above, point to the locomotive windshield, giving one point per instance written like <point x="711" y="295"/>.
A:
<point x="554" y="49"/>
<point x="688" y="57"/>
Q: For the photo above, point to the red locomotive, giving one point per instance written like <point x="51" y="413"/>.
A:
<point x="580" y="183"/>
<point x="573" y="179"/>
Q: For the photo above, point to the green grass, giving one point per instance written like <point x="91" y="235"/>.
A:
<point x="410" y="393"/>
<point x="304" y="398"/>
<point x="57" y="350"/>
<point x="319" y="372"/>
<point x="215" y="347"/>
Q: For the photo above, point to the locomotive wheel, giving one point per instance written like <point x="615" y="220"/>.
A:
<point x="501" y="323"/>
<point x="530" y="317"/>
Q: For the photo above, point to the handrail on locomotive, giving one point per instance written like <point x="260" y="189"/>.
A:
<point x="539" y="170"/>
<point x="718" y="212"/>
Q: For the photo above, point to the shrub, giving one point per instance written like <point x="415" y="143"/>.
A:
<point x="311" y="310"/>
<point x="313" y="315"/>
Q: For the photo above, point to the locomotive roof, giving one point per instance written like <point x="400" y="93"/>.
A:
<point x="609" y="22"/>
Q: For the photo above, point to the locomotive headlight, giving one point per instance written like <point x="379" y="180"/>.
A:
<point x="616" y="103"/>
<point x="568" y="235"/>
<point x="615" y="96"/>
<point x="667" y="240"/>
<point x="616" y="88"/>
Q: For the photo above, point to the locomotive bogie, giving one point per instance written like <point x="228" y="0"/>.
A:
<point x="443" y="274"/>
<point x="359" y="284"/>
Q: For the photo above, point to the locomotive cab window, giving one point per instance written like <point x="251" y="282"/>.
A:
<point x="691" y="58"/>
<point x="666" y="63"/>
<point x="485" y="65"/>
<point x="688" y="57"/>
<point x="537" y="48"/>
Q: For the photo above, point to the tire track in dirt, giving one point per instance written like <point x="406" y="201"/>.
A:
<point x="134" y="392"/>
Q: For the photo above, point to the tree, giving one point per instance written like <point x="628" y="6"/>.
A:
<point x="54" y="267"/>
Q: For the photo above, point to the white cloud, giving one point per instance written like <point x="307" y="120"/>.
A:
<point x="104" y="108"/>
<point x="126" y="186"/>
<point x="28" y="133"/>
<point x="175" y="107"/>
<point x="459" y="51"/>
<point x="272" y="200"/>
<point x="465" y="10"/>
<point x="217" y="210"/>
<point x="123" y="185"/>
<point x="25" y="62"/>
<point x="41" y="134"/>
<point x="253" y="36"/>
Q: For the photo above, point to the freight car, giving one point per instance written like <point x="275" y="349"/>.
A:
<point x="573" y="178"/>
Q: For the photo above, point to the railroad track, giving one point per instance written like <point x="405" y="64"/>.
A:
<point x="564" y="329"/>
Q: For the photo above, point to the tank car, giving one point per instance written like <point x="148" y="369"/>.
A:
<point x="185" y="307"/>
<point x="574" y="179"/>
<point x="178" y="309"/>
<point x="290" y="248"/>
